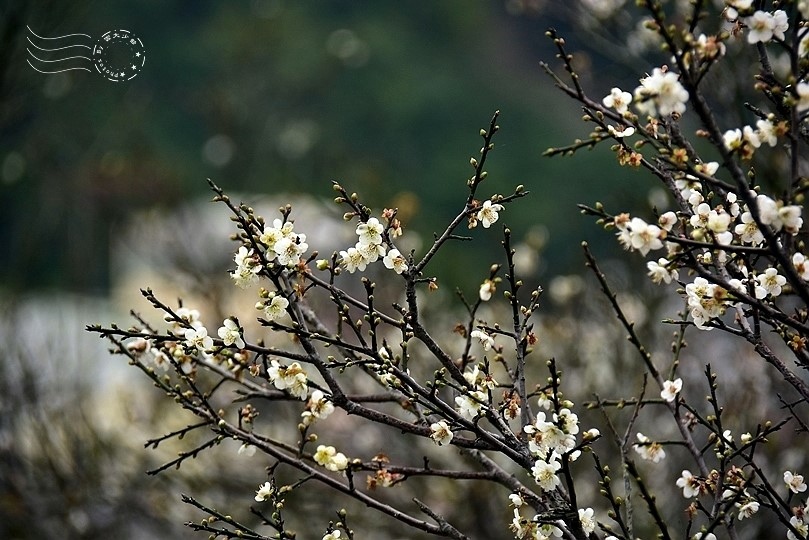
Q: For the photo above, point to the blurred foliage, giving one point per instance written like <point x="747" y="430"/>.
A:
<point x="275" y="96"/>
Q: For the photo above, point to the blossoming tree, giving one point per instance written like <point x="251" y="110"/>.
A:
<point x="730" y="245"/>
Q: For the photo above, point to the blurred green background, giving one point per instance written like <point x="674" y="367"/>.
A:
<point x="274" y="96"/>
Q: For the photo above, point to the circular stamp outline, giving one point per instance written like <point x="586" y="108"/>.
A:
<point x="135" y="62"/>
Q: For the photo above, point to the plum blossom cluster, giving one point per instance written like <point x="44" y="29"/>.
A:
<point x="550" y="441"/>
<point x="473" y="402"/>
<point x="330" y="458"/>
<point x="736" y="489"/>
<point x="282" y="246"/>
<point x="728" y="223"/>
<point x="291" y="378"/>
<point x="530" y="529"/>
<point x="661" y="94"/>
<point x="535" y="529"/>
<point x="762" y="26"/>
<point x="318" y="407"/>
<point x="370" y="247"/>
<point x="273" y="305"/>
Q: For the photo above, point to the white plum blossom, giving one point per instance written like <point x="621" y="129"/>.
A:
<point x="790" y="217"/>
<point x="689" y="484"/>
<point x="395" y="261"/>
<point x="485" y="339"/>
<point x="638" y="235"/>
<point x="671" y="389"/>
<point x="547" y="437"/>
<point x="330" y="458"/>
<point x="591" y="434"/>
<point x="488" y="213"/>
<point x="617" y="99"/>
<point x="588" y="522"/>
<point x="440" y="433"/>
<point x="706" y="301"/>
<point x="763" y="26"/>
<point x="469" y="406"/>
<point x="188" y="318"/>
<point x="732" y="139"/>
<point x="747" y="509"/>
<point x="688" y="186"/>
<point x="660" y="273"/>
<point x="802" y="89"/>
<point x="289" y="251"/>
<point x="701" y="536"/>
<point x="751" y="136"/>
<point x="516" y="500"/>
<point x="247" y="268"/>
<point x="370" y="232"/>
<point x="767" y="210"/>
<point x="801" y="265"/>
<point x="198" y="338"/>
<point x="780" y="23"/>
<point x="799" y="525"/>
<point x="318" y="407"/>
<point x="271" y="235"/>
<point x="733" y="205"/>
<point x="353" y="260"/>
<point x="274" y="307"/>
<point x="735" y="6"/>
<point x="569" y="421"/>
<point x="794" y="482"/>
<point x="667" y="221"/>
<point x="649" y="449"/>
<point x="487" y="288"/>
<point x="770" y="283"/>
<point x="334" y="535"/>
<point x="544" y="401"/>
<point x="766" y="132"/>
<point x="293" y="379"/>
<point x="479" y="379"/>
<point x="545" y="474"/>
<point x="264" y="492"/>
<point x="718" y="221"/>
<point x="283" y="244"/>
<point x="748" y="230"/>
<point x="661" y="93"/>
<point x="231" y="334"/>
<point x="778" y="216"/>
<point x="370" y="252"/>
<point x="620" y="133"/>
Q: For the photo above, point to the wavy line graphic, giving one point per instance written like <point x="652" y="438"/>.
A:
<point x="118" y="55"/>
<point x="58" y="63"/>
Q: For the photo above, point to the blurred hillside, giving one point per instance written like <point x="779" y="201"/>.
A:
<point x="273" y="96"/>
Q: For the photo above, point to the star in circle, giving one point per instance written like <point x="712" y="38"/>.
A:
<point x="119" y="55"/>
